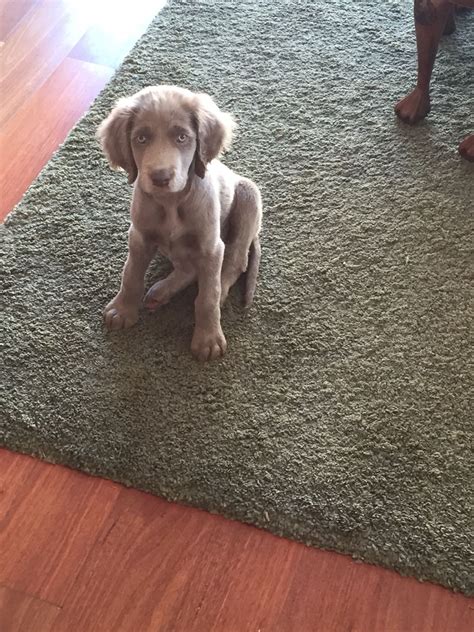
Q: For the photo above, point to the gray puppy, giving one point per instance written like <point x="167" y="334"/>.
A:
<point x="201" y="215"/>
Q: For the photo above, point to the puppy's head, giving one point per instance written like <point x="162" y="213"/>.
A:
<point x="163" y="135"/>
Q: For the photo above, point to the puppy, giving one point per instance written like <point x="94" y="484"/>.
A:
<point x="201" y="215"/>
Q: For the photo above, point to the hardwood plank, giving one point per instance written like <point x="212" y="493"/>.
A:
<point x="26" y="146"/>
<point x="160" y="566"/>
<point x="50" y="518"/>
<point x="12" y="12"/>
<point x="24" y="613"/>
<point x="34" y="49"/>
<point x="365" y="598"/>
<point x="114" y="32"/>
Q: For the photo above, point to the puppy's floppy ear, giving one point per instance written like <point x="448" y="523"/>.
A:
<point x="214" y="131"/>
<point x="114" y="136"/>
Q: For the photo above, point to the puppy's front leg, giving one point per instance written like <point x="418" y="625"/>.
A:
<point x="208" y="340"/>
<point x="122" y="311"/>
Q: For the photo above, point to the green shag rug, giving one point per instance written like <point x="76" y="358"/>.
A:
<point x="340" y="415"/>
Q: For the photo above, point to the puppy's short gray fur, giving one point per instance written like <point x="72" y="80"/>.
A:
<point x="188" y="205"/>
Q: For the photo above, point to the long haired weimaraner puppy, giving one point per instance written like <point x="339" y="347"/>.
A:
<point x="193" y="209"/>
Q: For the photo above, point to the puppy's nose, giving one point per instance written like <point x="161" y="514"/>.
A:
<point x="161" y="177"/>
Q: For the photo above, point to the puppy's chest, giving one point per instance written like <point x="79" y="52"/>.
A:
<point x="169" y="232"/>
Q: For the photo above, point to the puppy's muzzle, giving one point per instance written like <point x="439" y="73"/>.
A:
<point x="161" y="177"/>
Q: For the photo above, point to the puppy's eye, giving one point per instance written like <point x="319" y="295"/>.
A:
<point x="182" y="138"/>
<point x="141" y="139"/>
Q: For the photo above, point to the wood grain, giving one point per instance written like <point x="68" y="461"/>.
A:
<point x="23" y="613"/>
<point x="107" y="41"/>
<point x="26" y="145"/>
<point x="34" y="49"/>
<point x="11" y="13"/>
<point x="119" y="559"/>
<point x="49" y="523"/>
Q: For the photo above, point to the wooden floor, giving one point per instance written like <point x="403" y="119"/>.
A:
<point x="82" y="554"/>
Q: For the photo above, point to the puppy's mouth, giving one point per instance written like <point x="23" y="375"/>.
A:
<point x="162" y="186"/>
<point x="171" y="185"/>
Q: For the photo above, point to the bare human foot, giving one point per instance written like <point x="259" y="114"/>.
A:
<point x="414" y="107"/>
<point x="466" y="148"/>
<point x="432" y="17"/>
<point x="450" y="26"/>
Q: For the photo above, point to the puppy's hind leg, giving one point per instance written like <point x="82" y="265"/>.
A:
<point x="242" y="246"/>
<point x="252" y="272"/>
<point x="163" y="291"/>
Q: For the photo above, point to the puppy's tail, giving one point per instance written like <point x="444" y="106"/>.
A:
<point x="252" y="272"/>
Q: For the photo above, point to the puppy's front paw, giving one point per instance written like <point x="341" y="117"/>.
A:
<point x="208" y="345"/>
<point x="120" y="315"/>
